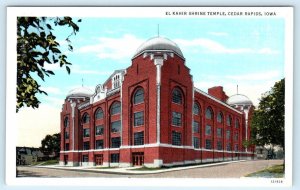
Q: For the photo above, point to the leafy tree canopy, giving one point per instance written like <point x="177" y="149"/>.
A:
<point x="51" y="143"/>
<point x="37" y="46"/>
<point x="268" y="119"/>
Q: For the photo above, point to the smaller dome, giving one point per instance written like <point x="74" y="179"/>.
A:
<point x="80" y="92"/>
<point x="239" y="99"/>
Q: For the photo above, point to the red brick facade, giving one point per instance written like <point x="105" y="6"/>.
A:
<point x="147" y="117"/>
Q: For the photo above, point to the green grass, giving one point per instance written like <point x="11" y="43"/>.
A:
<point x="274" y="171"/>
<point x="45" y="163"/>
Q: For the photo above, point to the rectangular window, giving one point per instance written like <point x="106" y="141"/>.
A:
<point x="228" y="147"/>
<point x="208" y="130"/>
<point x="115" y="142"/>
<point x="228" y="134"/>
<point x="219" y="145"/>
<point x="196" y="127"/>
<point x="196" y="142"/>
<point x="85" y="158"/>
<point x="86" y="132"/>
<point x="208" y="144"/>
<point x="67" y="147"/>
<point x="139" y="138"/>
<point x="66" y="135"/>
<point x="99" y="130"/>
<point x="86" y="145"/>
<point x="219" y="132"/>
<point x="115" y="126"/>
<point x="236" y="137"/>
<point x="99" y="144"/>
<point x="114" y="158"/>
<point x="176" y="118"/>
<point x="236" y="147"/>
<point x="139" y="118"/>
<point x="176" y="138"/>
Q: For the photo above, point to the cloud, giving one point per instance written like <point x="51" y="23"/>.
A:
<point x="255" y="76"/>
<point x="51" y="90"/>
<point x="113" y="48"/>
<point x="211" y="46"/>
<point x="218" y="33"/>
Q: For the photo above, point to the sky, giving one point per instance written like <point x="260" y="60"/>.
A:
<point x="248" y="52"/>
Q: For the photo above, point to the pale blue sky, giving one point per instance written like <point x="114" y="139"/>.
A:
<point x="226" y="51"/>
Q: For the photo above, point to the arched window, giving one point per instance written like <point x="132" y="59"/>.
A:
<point x="237" y="123"/>
<point x="115" y="108"/>
<point x="66" y="122"/>
<point x="209" y="113"/>
<point x="99" y="114"/>
<point x="176" y="96"/>
<point x="86" y="118"/>
<point x="229" y="120"/>
<point x="196" y="109"/>
<point x="220" y="117"/>
<point x="138" y="96"/>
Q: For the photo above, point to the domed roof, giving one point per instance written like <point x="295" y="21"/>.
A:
<point x="239" y="99"/>
<point x="158" y="43"/>
<point x="80" y="92"/>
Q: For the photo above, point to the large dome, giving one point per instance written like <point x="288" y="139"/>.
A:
<point x="158" y="43"/>
<point x="80" y="92"/>
<point x="239" y="99"/>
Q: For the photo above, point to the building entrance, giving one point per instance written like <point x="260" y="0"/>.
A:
<point x="65" y="159"/>
<point x="137" y="158"/>
<point x="99" y="159"/>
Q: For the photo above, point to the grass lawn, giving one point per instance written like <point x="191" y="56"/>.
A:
<point x="45" y="163"/>
<point x="271" y="172"/>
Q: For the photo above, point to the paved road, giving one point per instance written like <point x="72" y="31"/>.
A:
<point x="232" y="170"/>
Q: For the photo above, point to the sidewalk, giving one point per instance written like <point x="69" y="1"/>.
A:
<point x="134" y="170"/>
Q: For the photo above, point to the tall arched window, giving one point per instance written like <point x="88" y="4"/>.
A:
<point x="86" y="118"/>
<point x="237" y="123"/>
<point x="138" y="96"/>
<point x="176" y="96"/>
<point x="99" y="114"/>
<point x="66" y="122"/>
<point x="115" y="108"/>
<point x="209" y="113"/>
<point x="220" y="117"/>
<point x="229" y="120"/>
<point x="196" y="109"/>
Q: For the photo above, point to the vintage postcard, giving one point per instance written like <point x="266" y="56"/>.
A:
<point x="152" y="96"/>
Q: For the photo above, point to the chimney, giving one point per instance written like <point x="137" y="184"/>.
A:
<point x="218" y="93"/>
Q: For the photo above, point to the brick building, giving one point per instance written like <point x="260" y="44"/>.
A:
<point x="151" y="114"/>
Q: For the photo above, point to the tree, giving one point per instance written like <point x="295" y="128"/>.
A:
<point x="51" y="144"/>
<point x="36" y="47"/>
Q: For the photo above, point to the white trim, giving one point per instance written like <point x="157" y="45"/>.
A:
<point x="215" y="99"/>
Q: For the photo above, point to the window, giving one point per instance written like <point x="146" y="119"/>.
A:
<point x="138" y="96"/>
<point x="220" y="117"/>
<point x="86" y="145"/>
<point x="86" y="118"/>
<point x="236" y="147"/>
<point x="116" y="81"/>
<point x="219" y="132"/>
<point x="196" y="127"/>
<point x="228" y="147"/>
<point x="85" y="158"/>
<point x="115" y="126"/>
<point x="66" y="135"/>
<point x="228" y="134"/>
<point x="237" y="123"/>
<point x="236" y="137"/>
<point x="99" y="114"/>
<point x="176" y="96"/>
<point x="139" y="118"/>
<point x="99" y="130"/>
<point x="229" y="120"/>
<point x="208" y="113"/>
<point x="66" y="122"/>
<point x="115" y="108"/>
<point x="176" y="138"/>
<point x="208" y="144"/>
<point x="67" y="147"/>
<point x="139" y="138"/>
<point x="196" y="109"/>
<point x="196" y="142"/>
<point x="116" y="142"/>
<point x="86" y="132"/>
<point x="176" y="118"/>
<point x="99" y="144"/>
<point x="219" y="145"/>
<point x="208" y="130"/>
<point x="114" y="158"/>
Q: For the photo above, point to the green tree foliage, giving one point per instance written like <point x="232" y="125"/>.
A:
<point x="268" y="119"/>
<point x="50" y="144"/>
<point x="37" y="46"/>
